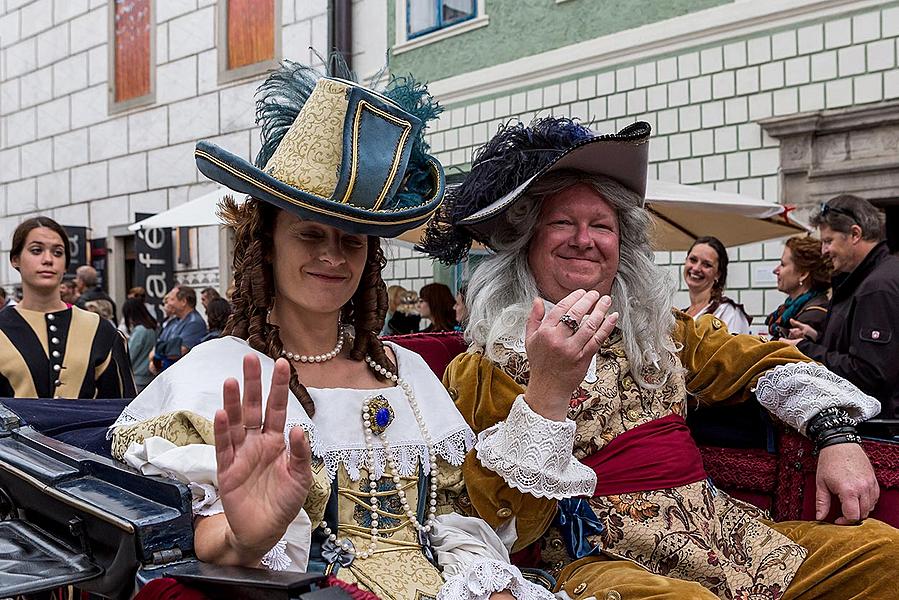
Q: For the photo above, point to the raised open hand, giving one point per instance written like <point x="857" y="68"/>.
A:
<point x="560" y="346"/>
<point x="262" y="485"/>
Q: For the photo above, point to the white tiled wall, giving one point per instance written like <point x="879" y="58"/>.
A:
<point x="704" y="106"/>
<point x="63" y="154"/>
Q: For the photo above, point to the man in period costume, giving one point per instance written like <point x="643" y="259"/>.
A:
<point x="579" y="374"/>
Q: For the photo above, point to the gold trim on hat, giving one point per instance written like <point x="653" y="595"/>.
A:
<point x="321" y="210"/>
<point x="397" y="151"/>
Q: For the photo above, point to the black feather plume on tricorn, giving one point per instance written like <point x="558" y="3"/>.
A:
<point x="505" y="168"/>
<point x="511" y="156"/>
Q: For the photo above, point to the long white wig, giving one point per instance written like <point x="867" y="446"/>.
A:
<point x="502" y="288"/>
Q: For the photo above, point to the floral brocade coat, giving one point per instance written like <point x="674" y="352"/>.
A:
<point x="693" y="532"/>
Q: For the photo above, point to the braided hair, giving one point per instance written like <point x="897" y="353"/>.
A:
<point x="253" y="223"/>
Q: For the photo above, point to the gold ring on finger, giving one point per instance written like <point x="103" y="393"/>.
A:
<point x="248" y="427"/>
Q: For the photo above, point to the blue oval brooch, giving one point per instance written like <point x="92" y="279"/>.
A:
<point x="381" y="414"/>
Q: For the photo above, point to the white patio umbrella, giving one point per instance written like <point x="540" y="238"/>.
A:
<point x="198" y="212"/>
<point x="683" y="213"/>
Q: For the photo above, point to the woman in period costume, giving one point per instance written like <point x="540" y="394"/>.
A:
<point x="577" y="380"/>
<point x="50" y="349"/>
<point x="705" y="271"/>
<point x="804" y="275"/>
<point x="340" y="166"/>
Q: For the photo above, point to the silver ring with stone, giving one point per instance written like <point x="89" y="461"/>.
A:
<point x="570" y="322"/>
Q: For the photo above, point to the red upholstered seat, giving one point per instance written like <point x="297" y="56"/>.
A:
<point x="438" y="349"/>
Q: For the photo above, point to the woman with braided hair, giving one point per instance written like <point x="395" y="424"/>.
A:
<point x="370" y="498"/>
<point x="705" y="271"/>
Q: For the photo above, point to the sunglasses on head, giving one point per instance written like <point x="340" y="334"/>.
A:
<point x="825" y="208"/>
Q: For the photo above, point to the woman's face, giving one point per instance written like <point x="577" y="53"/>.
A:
<point x="42" y="262"/>
<point x="459" y="308"/>
<point x="316" y="267"/>
<point x="424" y="309"/>
<point x="789" y="279"/>
<point x="701" y="268"/>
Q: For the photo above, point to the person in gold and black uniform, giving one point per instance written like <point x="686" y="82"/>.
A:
<point x="50" y="349"/>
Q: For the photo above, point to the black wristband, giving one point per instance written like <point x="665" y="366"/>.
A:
<point x="850" y="438"/>
<point x="832" y="426"/>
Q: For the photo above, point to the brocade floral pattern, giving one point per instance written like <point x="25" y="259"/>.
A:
<point x="693" y="532"/>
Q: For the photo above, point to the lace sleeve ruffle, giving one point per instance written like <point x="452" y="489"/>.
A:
<point x="485" y="576"/>
<point x="796" y="392"/>
<point x="533" y="455"/>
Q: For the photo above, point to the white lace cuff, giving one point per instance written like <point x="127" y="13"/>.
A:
<point x="483" y="577"/>
<point x="276" y="559"/>
<point x="533" y="455"/>
<point x="796" y="392"/>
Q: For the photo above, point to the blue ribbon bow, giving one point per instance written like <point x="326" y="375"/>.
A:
<point x="576" y="521"/>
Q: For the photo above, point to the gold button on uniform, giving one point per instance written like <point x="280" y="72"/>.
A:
<point x="504" y="513"/>
<point x="717" y="324"/>
<point x="613" y="595"/>
<point x="580" y="588"/>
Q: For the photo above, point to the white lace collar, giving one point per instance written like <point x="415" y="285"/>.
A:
<point x="194" y="383"/>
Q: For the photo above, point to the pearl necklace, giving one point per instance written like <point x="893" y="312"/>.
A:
<point x="318" y="358"/>
<point x="367" y="418"/>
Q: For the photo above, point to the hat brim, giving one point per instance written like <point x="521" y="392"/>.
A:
<point x="622" y="156"/>
<point x="240" y="175"/>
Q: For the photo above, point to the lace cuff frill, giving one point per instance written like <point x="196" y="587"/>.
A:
<point x="796" y="392"/>
<point x="485" y="576"/>
<point x="533" y="455"/>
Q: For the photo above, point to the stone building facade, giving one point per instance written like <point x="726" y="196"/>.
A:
<point x="68" y="152"/>
<point x="790" y="101"/>
<point x="787" y="100"/>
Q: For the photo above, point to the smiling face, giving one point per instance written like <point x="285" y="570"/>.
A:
<point x="316" y="267"/>
<point x="789" y="279"/>
<point x="701" y="268"/>
<point x="575" y="245"/>
<point x="175" y="306"/>
<point x="42" y="262"/>
<point x="840" y="247"/>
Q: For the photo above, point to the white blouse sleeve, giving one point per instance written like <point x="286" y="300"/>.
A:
<point x="733" y="317"/>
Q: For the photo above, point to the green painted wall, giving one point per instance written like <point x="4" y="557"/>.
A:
<point x="526" y="27"/>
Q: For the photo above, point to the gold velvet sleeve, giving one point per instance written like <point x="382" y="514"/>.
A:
<point x="484" y="395"/>
<point x="721" y="367"/>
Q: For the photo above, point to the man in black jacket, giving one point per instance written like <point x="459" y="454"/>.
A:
<point x="860" y="339"/>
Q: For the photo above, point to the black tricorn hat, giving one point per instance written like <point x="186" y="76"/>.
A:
<point x="505" y="168"/>
<point x="338" y="153"/>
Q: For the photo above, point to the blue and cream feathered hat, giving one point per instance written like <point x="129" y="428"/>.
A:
<point x="504" y="169"/>
<point x="338" y="153"/>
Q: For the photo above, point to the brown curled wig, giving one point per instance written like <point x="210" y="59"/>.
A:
<point x="253" y="223"/>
